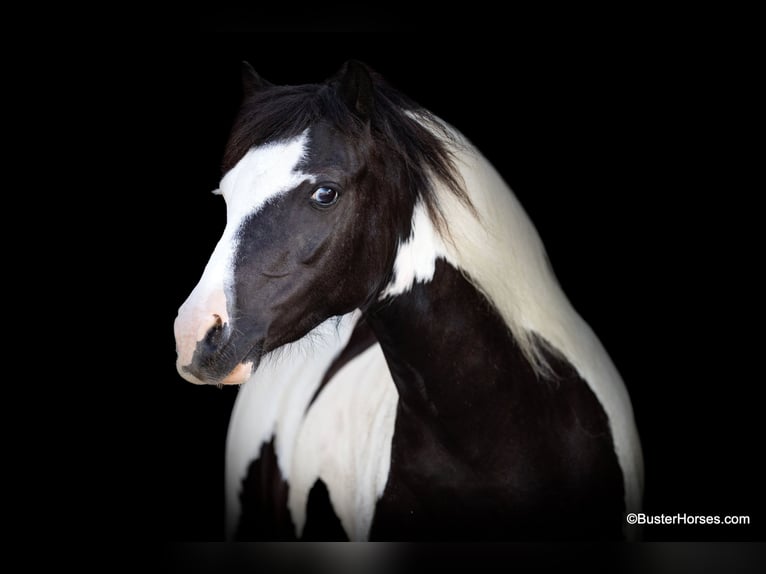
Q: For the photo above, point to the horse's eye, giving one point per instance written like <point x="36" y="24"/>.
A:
<point x="324" y="196"/>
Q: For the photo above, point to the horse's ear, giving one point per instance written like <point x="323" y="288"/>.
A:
<point x="356" y="88"/>
<point x="251" y="81"/>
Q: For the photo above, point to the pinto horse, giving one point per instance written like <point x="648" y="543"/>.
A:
<point x="410" y="368"/>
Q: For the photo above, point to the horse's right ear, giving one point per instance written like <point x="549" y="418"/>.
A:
<point x="356" y="87"/>
<point x="252" y="83"/>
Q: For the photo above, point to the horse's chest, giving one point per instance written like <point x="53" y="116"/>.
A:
<point x="326" y="485"/>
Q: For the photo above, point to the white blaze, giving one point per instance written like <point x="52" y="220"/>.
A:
<point x="263" y="174"/>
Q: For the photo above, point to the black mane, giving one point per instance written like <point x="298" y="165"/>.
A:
<point x="276" y="113"/>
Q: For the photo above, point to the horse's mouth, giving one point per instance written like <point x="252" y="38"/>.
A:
<point x="243" y="369"/>
<point x="238" y="375"/>
<point x="211" y="372"/>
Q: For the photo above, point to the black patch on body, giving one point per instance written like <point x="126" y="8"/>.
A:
<point x="483" y="448"/>
<point x="264" y="514"/>
<point x="322" y="524"/>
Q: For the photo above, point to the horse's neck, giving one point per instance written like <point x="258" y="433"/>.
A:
<point x="452" y="357"/>
<point x="473" y="411"/>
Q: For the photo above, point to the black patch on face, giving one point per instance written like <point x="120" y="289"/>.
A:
<point x="297" y="264"/>
<point x="483" y="448"/>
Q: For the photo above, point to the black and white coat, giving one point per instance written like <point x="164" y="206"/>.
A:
<point x="410" y="367"/>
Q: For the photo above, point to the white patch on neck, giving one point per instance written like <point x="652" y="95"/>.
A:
<point x="273" y="404"/>
<point x="416" y="258"/>
<point x="343" y="438"/>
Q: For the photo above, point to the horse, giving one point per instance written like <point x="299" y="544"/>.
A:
<point x="409" y="366"/>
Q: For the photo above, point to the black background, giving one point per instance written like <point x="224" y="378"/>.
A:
<point x="622" y="141"/>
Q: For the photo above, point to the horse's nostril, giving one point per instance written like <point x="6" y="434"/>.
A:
<point x="215" y="334"/>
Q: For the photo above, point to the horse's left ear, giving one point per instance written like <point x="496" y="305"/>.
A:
<point x="252" y="82"/>
<point x="356" y="88"/>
